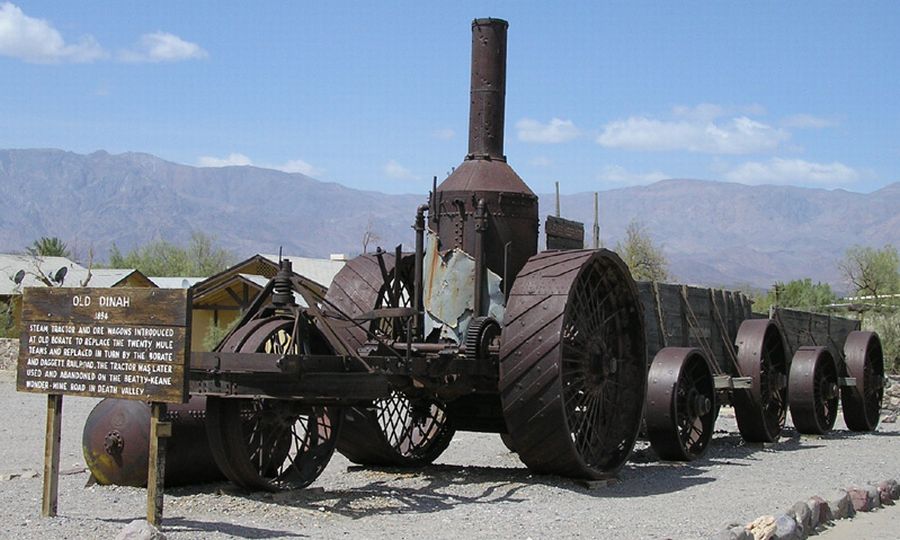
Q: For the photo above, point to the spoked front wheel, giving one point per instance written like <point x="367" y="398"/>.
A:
<point x="398" y="431"/>
<point x="681" y="404"/>
<point x="864" y="361"/>
<point x="271" y="444"/>
<point x="761" y="409"/>
<point x="813" y="390"/>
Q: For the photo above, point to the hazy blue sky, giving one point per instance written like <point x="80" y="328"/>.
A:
<point x="374" y="95"/>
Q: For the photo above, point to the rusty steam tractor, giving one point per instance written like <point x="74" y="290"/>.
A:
<point x="475" y="330"/>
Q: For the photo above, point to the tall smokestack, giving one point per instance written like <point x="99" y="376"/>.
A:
<point x="484" y="196"/>
<point x="488" y="89"/>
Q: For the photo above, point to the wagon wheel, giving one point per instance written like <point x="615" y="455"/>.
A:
<point x="400" y="430"/>
<point x="864" y="360"/>
<point x="269" y="443"/>
<point x="572" y="363"/>
<point x="681" y="404"/>
<point x="813" y="390"/>
<point x="761" y="409"/>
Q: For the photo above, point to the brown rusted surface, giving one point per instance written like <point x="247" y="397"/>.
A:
<point x="681" y="404"/>
<point x="488" y="88"/>
<point x="271" y="443"/>
<point x="115" y="442"/>
<point x="512" y="208"/>
<point x="864" y="360"/>
<point x="572" y="367"/>
<point x="813" y="390"/>
<point x="762" y="355"/>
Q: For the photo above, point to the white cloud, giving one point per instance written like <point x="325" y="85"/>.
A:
<point x="237" y="159"/>
<point x="162" y="47"/>
<point x="793" y="171"/>
<point x="230" y="161"/>
<point x="397" y="171"/>
<point x="696" y="130"/>
<point x="620" y="175"/>
<point x="300" y="166"/>
<point x="444" y="134"/>
<point x="37" y="41"/>
<point x="540" y="161"/>
<point x="555" y="131"/>
<point x="807" y="121"/>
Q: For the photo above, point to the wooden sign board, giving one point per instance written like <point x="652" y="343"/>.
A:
<point x="126" y="343"/>
<point x="564" y="233"/>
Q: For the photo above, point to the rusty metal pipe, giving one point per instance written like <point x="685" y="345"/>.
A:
<point x="488" y="89"/>
<point x="420" y="261"/>
<point x="480" y="228"/>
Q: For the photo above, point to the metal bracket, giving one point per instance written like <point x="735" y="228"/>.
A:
<point x="728" y="382"/>
<point x="846" y="381"/>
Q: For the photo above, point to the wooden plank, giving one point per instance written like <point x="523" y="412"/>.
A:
<point x="156" y="471"/>
<point x="564" y="233"/>
<point x="51" y="455"/>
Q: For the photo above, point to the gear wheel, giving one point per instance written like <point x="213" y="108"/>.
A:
<point x="479" y="335"/>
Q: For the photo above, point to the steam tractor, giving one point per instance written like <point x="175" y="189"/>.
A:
<point x="475" y="330"/>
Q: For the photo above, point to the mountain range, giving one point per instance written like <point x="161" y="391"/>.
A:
<point x="713" y="233"/>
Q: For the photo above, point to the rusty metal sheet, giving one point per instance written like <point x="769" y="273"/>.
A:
<point x="449" y="291"/>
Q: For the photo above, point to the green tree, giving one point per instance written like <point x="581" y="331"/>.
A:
<point x="160" y="258"/>
<point x="872" y="272"/>
<point x="645" y="259"/>
<point x="799" y="293"/>
<point x="7" y="329"/>
<point x="48" y="247"/>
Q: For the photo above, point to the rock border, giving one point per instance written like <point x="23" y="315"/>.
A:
<point x="806" y="517"/>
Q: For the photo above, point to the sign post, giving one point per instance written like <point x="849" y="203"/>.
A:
<point x="120" y="343"/>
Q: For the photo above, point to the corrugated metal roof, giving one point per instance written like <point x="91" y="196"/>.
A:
<point x="34" y="268"/>
<point x="175" y="282"/>
<point x="322" y="271"/>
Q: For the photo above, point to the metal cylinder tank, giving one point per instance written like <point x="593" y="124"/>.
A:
<point x="115" y="442"/>
<point x="511" y="233"/>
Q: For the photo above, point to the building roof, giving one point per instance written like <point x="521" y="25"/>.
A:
<point x="35" y="268"/>
<point x="38" y="268"/>
<point x="178" y="282"/>
<point x="322" y="271"/>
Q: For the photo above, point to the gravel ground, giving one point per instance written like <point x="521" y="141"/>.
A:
<point x="477" y="489"/>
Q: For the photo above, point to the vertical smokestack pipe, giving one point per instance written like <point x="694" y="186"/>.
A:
<point x="488" y="89"/>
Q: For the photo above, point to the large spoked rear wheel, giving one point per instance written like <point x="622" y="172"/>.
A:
<point x="269" y="444"/>
<point x="762" y="355"/>
<point x="396" y="431"/>
<point x="399" y="430"/>
<point x="813" y="390"/>
<point x="681" y="404"/>
<point x="864" y="360"/>
<point x="572" y="363"/>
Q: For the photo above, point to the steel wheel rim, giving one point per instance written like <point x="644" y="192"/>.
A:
<point x="410" y="427"/>
<point x="681" y="404"/>
<point x="813" y="390"/>
<point x="864" y="360"/>
<point x="594" y="383"/>
<point x="761" y="410"/>
<point x="267" y="443"/>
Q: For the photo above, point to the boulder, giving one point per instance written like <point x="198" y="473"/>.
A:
<point x="786" y="528"/>
<point x="839" y="504"/>
<point x="860" y="499"/>
<point x="802" y="515"/>
<point x="819" y="512"/>
<point x="140" y="529"/>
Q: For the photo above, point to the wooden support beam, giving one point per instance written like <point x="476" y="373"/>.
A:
<point x="156" y="471"/>
<point x="51" y="455"/>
